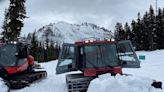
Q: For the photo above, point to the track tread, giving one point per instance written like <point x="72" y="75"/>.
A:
<point x="23" y="80"/>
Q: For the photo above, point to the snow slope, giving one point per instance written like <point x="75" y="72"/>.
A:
<point x="64" y="32"/>
<point x="151" y="68"/>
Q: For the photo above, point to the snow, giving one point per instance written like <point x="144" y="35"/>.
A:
<point x="108" y="83"/>
<point x="53" y="82"/>
<point x="151" y="69"/>
<point x="3" y="87"/>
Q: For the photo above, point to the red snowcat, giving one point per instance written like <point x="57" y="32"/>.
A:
<point x="94" y="57"/>
<point x="16" y="65"/>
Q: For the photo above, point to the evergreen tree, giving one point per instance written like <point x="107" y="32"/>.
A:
<point x="145" y="23"/>
<point x="160" y="30"/>
<point x="34" y="46"/>
<point x="133" y="37"/>
<point x="146" y="33"/>
<point x="119" y="32"/>
<point x="16" y="16"/>
<point x="152" y="29"/>
<point x="128" y="33"/>
<point x="138" y="33"/>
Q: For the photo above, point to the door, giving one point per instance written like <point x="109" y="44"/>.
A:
<point x="127" y="55"/>
<point x="66" y="62"/>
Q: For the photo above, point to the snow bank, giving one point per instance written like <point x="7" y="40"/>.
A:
<point x="3" y="87"/>
<point x="53" y="82"/>
<point x="108" y="83"/>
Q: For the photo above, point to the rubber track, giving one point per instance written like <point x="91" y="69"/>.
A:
<point x="23" y="80"/>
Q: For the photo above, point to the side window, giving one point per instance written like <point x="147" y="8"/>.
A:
<point x="67" y="56"/>
<point x="125" y="52"/>
<point x="127" y="55"/>
<point x="22" y="52"/>
<point x="66" y="62"/>
<point x="22" y="61"/>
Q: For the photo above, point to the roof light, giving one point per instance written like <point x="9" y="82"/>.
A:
<point x="86" y="41"/>
<point x="91" y="40"/>
<point x="13" y="42"/>
<point x="108" y="40"/>
<point x="112" y="40"/>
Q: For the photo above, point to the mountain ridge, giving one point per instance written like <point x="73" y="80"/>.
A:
<point x="63" y="32"/>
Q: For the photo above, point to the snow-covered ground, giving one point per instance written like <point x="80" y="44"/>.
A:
<point x="108" y="83"/>
<point x="151" y="68"/>
<point x="3" y="87"/>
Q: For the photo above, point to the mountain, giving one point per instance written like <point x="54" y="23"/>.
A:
<point x="68" y="33"/>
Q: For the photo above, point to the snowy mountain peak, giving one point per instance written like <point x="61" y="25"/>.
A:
<point x="69" y="33"/>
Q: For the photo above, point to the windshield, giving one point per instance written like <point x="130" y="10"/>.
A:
<point x="7" y="55"/>
<point x="101" y="55"/>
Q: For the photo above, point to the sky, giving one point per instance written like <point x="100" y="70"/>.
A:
<point x="104" y="13"/>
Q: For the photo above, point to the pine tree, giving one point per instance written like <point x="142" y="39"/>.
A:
<point x="34" y="46"/>
<point x="16" y="14"/>
<point x="134" y="36"/>
<point x="162" y="31"/>
<point x="138" y="33"/>
<point x="128" y="33"/>
<point x="145" y="23"/>
<point x="146" y="33"/>
<point x="119" y="32"/>
<point x="159" y="31"/>
<point x="152" y="29"/>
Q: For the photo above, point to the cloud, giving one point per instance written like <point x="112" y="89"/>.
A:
<point x="101" y="12"/>
<point x="1" y="1"/>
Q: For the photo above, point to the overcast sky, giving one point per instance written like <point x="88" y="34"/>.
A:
<point x="101" y="12"/>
